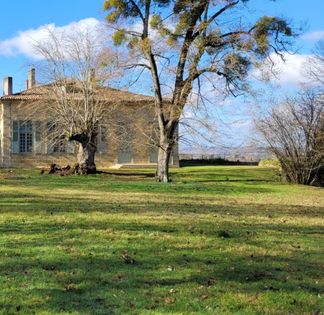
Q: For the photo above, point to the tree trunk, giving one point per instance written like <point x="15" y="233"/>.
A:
<point x="86" y="153"/>
<point x="86" y="159"/>
<point x="164" y="155"/>
<point x="168" y="138"/>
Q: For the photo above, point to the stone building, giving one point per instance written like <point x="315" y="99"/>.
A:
<point x="23" y="141"/>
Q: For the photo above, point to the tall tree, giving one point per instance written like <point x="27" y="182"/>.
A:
<point x="183" y="42"/>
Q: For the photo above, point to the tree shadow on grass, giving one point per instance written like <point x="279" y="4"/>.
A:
<point x="183" y="175"/>
<point x="56" y="203"/>
<point x="57" y="227"/>
<point x="104" y="284"/>
<point x="129" y="174"/>
<point x="214" y="189"/>
<point x="233" y="180"/>
<point x="63" y="252"/>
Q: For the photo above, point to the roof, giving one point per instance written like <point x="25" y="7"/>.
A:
<point x="106" y="94"/>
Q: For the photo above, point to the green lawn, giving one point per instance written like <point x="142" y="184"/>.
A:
<point x="62" y="241"/>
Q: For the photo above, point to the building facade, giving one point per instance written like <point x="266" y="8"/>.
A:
<point x="23" y="131"/>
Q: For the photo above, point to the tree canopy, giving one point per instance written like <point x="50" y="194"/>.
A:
<point x="182" y="42"/>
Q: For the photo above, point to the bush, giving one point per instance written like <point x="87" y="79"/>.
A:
<point x="294" y="131"/>
<point x="269" y="163"/>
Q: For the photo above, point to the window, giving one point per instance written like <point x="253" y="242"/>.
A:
<point x="22" y="136"/>
<point x="56" y="141"/>
<point x="103" y="139"/>
<point x="103" y="133"/>
<point x="60" y="144"/>
<point x="125" y="143"/>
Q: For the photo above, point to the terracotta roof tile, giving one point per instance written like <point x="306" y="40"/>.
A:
<point x="107" y="94"/>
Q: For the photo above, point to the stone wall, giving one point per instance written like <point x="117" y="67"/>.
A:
<point x="139" y="119"/>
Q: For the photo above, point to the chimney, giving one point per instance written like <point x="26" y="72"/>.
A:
<point x="7" y="86"/>
<point x="31" y="82"/>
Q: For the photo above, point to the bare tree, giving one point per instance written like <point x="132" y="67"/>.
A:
<point x="315" y="65"/>
<point x="294" y="130"/>
<point x="72" y="68"/>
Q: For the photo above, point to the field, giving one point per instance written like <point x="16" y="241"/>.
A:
<point x="217" y="240"/>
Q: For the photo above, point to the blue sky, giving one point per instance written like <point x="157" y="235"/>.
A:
<point x="23" y="20"/>
<point x="21" y="16"/>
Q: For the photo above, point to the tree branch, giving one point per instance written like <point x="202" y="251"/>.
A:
<point x="137" y="9"/>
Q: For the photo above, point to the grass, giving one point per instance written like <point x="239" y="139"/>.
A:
<point x="217" y="240"/>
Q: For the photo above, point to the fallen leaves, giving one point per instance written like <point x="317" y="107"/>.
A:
<point x="169" y="300"/>
<point x="128" y="259"/>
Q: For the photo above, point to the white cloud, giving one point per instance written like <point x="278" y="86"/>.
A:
<point x="285" y="72"/>
<point x="313" y="36"/>
<point x="23" y="43"/>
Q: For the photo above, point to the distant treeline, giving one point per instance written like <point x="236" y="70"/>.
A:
<point x="216" y="161"/>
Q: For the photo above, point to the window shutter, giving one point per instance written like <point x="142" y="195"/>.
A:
<point x="37" y="137"/>
<point x="49" y="141"/>
<point x="103" y="143"/>
<point x="29" y="136"/>
<point x="15" y="136"/>
<point x="153" y="155"/>
<point x="125" y="157"/>
<point x="70" y="147"/>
